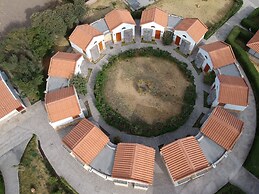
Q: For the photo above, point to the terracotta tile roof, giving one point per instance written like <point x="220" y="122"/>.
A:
<point x="86" y="141"/>
<point x="62" y="103"/>
<point x="135" y="162"/>
<point x="233" y="90"/>
<point x="7" y="101"/>
<point x="223" y="128"/>
<point x="221" y="53"/>
<point x="183" y="158"/>
<point x="83" y="34"/>
<point x="117" y="17"/>
<point x="254" y="42"/>
<point x="63" y="64"/>
<point x="193" y="26"/>
<point x="154" y="15"/>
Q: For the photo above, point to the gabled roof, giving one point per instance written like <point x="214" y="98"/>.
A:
<point x="83" y="35"/>
<point x="8" y="102"/>
<point x="86" y="141"/>
<point x="154" y="15"/>
<point x="117" y="17"/>
<point x="62" y="103"/>
<point x="63" y="64"/>
<point x="135" y="162"/>
<point x="223" y="128"/>
<point x="254" y="42"/>
<point x="233" y="90"/>
<point x="221" y="53"/>
<point x="183" y="158"/>
<point x="194" y="27"/>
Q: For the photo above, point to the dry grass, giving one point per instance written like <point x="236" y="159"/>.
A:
<point x="145" y="88"/>
<point x="208" y="11"/>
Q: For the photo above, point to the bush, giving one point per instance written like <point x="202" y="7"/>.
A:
<point x="79" y="82"/>
<point x="140" y="128"/>
<point x="167" y="38"/>
<point x="209" y="78"/>
<point x="252" y="21"/>
<point x="234" y="9"/>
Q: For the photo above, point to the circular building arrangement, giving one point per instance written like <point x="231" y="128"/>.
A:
<point x="144" y="74"/>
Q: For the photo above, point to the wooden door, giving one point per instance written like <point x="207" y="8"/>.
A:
<point x="118" y="36"/>
<point x="207" y="67"/>
<point x="157" y="34"/>
<point x="101" y="46"/>
<point x="177" y="40"/>
<point x="20" y="108"/>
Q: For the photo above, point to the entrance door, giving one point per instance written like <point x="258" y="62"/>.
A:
<point x="118" y="36"/>
<point x="157" y="34"/>
<point x="20" y="108"/>
<point x="206" y="68"/>
<point x="177" y="40"/>
<point x="101" y="46"/>
<point x="94" y="53"/>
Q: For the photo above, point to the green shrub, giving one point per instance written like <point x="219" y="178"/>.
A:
<point x="252" y="21"/>
<point x="234" y="9"/>
<point x="209" y="78"/>
<point x="79" y="82"/>
<point x="167" y="38"/>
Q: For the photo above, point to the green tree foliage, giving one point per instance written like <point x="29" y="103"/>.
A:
<point x="80" y="84"/>
<point x="167" y="38"/>
<point x="80" y="9"/>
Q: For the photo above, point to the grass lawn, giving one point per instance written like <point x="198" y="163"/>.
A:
<point x="1" y="184"/>
<point x="251" y="163"/>
<point x="210" y="11"/>
<point x="230" y="189"/>
<point x="36" y="172"/>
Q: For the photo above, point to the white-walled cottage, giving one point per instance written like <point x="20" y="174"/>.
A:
<point x="188" y="33"/>
<point x="121" y="25"/>
<point x="88" y="41"/>
<point x="253" y="45"/>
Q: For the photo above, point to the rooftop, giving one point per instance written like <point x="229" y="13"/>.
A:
<point x="223" y="128"/>
<point x="231" y="70"/>
<point x="54" y="83"/>
<point x="253" y="43"/>
<point x="100" y="25"/>
<point x="154" y="15"/>
<point x="173" y="21"/>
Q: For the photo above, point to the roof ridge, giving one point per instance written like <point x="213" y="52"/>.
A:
<point x="186" y="155"/>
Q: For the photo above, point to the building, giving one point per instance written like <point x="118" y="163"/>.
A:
<point x="133" y="163"/>
<point x="153" y="23"/>
<point x="121" y="25"/>
<point x="253" y="45"/>
<point x="103" y="28"/>
<point x="214" y="56"/>
<point x="85" y="141"/>
<point x="184" y="160"/>
<point x="223" y="128"/>
<point x="188" y="33"/>
<point x="63" y="106"/>
<point x="10" y="102"/>
<point x="61" y="68"/>
<point x="230" y="92"/>
<point x="88" y="41"/>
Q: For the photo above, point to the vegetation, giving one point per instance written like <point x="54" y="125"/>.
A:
<point x="167" y="38"/>
<point x="209" y="78"/>
<point x="80" y="84"/>
<point x="252" y="21"/>
<point x="251" y="162"/>
<point x="36" y="173"/>
<point x="1" y="184"/>
<point x="234" y="9"/>
<point x="230" y="189"/>
<point x="115" y="119"/>
<point x="22" y="50"/>
<point x="116" y="140"/>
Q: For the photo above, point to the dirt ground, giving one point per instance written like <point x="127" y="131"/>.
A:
<point x="145" y="89"/>
<point x="255" y="61"/>
<point x="208" y="11"/>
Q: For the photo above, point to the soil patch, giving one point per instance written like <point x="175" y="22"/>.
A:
<point x="145" y="88"/>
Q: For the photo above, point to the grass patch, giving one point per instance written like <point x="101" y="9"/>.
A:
<point x="37" y="173"/>
<point x="205" y="97"/>
<point x="1" y="184"/>
<point x="139" y="128"/>
<point x="230" y="189"/>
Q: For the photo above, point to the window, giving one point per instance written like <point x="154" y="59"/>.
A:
<point x="95" y="42"/>
<point x="206" y="57"/>
<point x="152" y="26"/>
<point x="123" y="28"/>
<point x="184" y="36"/>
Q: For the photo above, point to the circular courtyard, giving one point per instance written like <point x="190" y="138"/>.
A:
<point x="145" y="92"/>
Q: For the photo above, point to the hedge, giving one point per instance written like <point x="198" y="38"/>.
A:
<point x="250" y="22"/>
<point x="139" y="127"/>
<point x="234" y="9"/>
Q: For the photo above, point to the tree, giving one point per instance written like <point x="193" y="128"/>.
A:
<point x="80" y="84"/>
<point x="167" y="38"/>
<point x="68" y="13"/>
<point x="80" y="9"/>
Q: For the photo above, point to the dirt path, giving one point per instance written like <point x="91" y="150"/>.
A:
<point x="145" y="88"/>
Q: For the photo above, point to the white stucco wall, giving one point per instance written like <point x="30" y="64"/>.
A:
<point x="74" y="46"/>
<point x="94" y="41"/>
<point x="207" y="58"/>
<point x="235" y="107"/>
<point x="254" y="53"/>
<point x="154" y="26"/>
<point x="120" y="29"/>
<point x="78" y="65"/>
<point x="181" y="34"/>
<point x="9" y="116"/>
